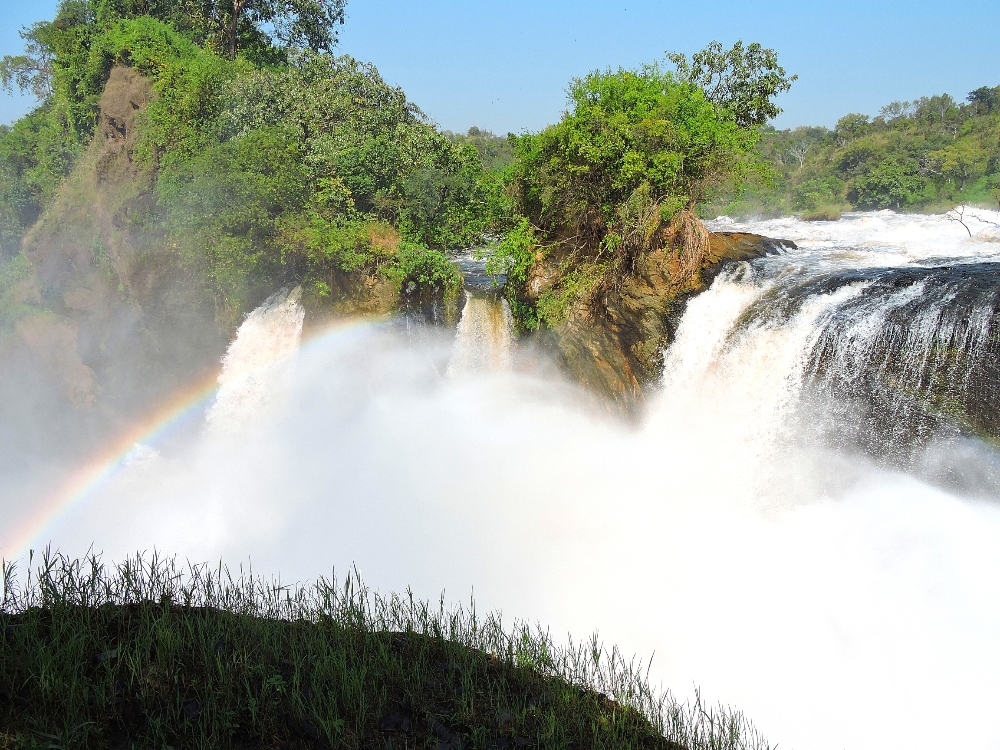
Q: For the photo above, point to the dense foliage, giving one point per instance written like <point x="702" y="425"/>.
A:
<point x="926" y="155"/>
<point x="628" y="133"/>
<point x="741" y="80"/>
<point x="273" y="160"/>
<point x="626" y="167"/>
<point x="146" y="655"/>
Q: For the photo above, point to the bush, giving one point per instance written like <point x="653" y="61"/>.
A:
<point x="822" y="213"/>
<point x="421" y="270"/>
<point x="809" y="195"/>
<point x="511" y="258"/>
<point x="628" y="132"/>
<point x="12" y="273"/>
<point x="36" y="155"/>
<point x="620" y="175"/>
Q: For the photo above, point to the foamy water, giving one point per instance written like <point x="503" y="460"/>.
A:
<point x="484" y="341"/>
<point x="840" y="602"/>
<point x="888" y="236"/>
<point x="257" y="361"/>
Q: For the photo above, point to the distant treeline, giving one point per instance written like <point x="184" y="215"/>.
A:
<point x="926" y="155"/>
<point x="496" y="151"/>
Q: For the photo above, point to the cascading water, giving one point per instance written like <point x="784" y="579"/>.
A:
<point x="255" y="364"/>
<point x="484" y="340"/>
<point x="910" y="351"/>
<point x="747" y="531"/>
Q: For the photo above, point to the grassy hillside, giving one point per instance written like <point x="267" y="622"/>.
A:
<point x="926" y="155"/>
<point x="146" y="655"/>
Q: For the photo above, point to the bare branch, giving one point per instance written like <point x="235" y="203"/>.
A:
<point x="958" y="214"/>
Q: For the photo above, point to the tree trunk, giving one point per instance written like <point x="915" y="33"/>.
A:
<point x="234" y="27"/>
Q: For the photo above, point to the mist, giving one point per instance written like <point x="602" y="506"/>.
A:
<point x="839" y="600"/>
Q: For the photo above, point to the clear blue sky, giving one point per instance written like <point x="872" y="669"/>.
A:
<point x="504" y="64"/>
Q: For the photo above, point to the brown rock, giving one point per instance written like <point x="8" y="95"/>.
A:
<point x="52" y="340"/>
<point x="126" y="94"/>
<point x="614" y="343"/>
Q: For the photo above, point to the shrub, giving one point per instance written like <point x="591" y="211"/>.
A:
<point x="822" y="213"/>
<point x="428" y="271"/>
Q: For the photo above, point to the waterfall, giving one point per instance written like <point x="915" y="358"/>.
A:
<point x="900" y="339"/>
<point x="256" y="362"/>
<point x="484" y="341"/>
<point x="755" y="530"/>
<point x="915" y="353"/>
<point x="736" y="379"/>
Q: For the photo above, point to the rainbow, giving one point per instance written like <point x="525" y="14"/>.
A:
<point x="97" y="472"/>
<point x="100" y="469"/>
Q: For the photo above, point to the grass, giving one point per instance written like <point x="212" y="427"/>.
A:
<point x="151" y="654"/>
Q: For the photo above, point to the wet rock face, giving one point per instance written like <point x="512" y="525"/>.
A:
<point x="126" y="94"/>
<point x="615" y="344"/>
<point x="52" y="340"/>
<point x="111" y="315"/>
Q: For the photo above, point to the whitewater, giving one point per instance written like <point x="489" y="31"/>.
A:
<point x="805" y="522"/>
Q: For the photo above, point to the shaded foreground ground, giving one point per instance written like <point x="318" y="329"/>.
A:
<point x="149" y="655"/>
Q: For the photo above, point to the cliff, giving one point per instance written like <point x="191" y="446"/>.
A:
<point x="116" y="309"/>
<point x="107" y="309"/>
<point x="613" y="342"/>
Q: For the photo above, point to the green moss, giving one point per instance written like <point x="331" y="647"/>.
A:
<point x="574" y="287"/>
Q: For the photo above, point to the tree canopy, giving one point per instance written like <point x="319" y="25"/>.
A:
<point x="629" y="131"/>
<point x="282" y="162"/>
<point x="624" y="171"/>
<point x="741" y="80"/>
<point x="264" y="29"/>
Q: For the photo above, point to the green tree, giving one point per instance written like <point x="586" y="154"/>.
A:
<point x="495" y="151"/>
<point x="817" y="192"/>
<point x="624" y="171"/>
<point x="628" y="131"/>
<point x="961" y="162"/>
<point x="851" y="127"/>
<point x="297" y="23"/>
<point x="30" y="72"/>
<point x="368" y="150"/>
<point x="985" y="99"/>
<point x="887" y="185"/>
<point x="742" y="80"/>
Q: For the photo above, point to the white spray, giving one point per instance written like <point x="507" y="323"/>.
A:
<point x="256" y="363"/>
<point x="485" y="338"/>
<point x="839" y="604"/>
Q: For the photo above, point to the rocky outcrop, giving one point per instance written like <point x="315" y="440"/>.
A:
<point x="111" y="317"/>
<point x="52" y="340"/>
<point x="108" y="313"/>
<point x="614" y="343"/>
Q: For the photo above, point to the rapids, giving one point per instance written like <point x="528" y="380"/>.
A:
<point x="806" y="523"/>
